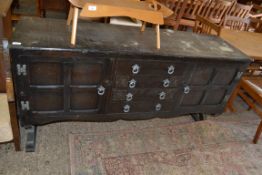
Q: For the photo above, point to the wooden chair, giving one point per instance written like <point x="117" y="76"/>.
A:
<point x="256" y="11"/>
<point x="193" y="8"/>
<point x="256" y="24"/>
<point x="205" y="26"/>
<point x="240" y="10"/>
<point x="236" y="23"/>
<point x="178" y="8"/>
<point x="5" y="32"/>
<point x="8" y="123"/>
<point x="250" y="90"/>
<point x="215" y="10"/>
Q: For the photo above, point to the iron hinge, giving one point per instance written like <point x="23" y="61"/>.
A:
<point x="25" y="105"/>
<point x="21" y="69"/>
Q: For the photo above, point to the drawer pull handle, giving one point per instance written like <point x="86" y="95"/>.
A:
<point x="171" y="70"/>
<point x="166" y="83"/>
<point x="129" y="97"/>
<point x="132" y="83"/>
<point x="158" y="107"/>
<point x="186" y="89"/>
<point x="135" y="69"/>
<point x="101" y="90"/>
<point x="126" y="108"/>
<point x="162" y="96"/>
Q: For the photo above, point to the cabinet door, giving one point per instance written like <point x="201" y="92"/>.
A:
<point x="209" y="86"/>
<point x="87" y="87"/>
<point x="59" y="86"/>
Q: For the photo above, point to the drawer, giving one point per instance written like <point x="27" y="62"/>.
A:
<point x="156" y="67"/>
<point x="141" y="106"/>
<point x="144" y="94"/>
<point x="148" y="81"/>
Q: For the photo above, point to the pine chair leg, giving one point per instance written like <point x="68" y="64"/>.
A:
<point x="70" y="15"/>
<point x="74" y="28"/>
<point x="258" y="133"/>
<point x="157" y="37"/>
<point x="232" y="99"/>
<point x="14" y="124"/>
<point x="143" y="26"/>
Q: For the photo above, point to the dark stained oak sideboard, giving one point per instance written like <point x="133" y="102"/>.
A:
<point x="115" y="72"/>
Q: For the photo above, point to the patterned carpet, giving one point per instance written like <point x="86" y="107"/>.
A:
<point x="216" y="146"/>
<point x="193" y="154"/>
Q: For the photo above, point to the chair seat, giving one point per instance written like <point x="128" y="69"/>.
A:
<point x="6" y="133"/>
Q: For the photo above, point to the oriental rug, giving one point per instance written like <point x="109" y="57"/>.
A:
<point x="211" y="147"/>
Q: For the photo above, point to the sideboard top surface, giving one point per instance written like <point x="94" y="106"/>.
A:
<point x="51" y="34"/>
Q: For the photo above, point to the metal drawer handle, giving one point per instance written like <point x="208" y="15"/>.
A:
<point x="166" y="83"/>
<point x="162" y="96"/>
<point x="101" y="90"/>
<point x="135" y="69"/>
<point x="171" y="70"/>
<point x="129" y="97"/>
<point x="158" y="107"/>
<point x="126" y="108"/>
<point x="132" y="83"/>
<point x="186" y="89"/>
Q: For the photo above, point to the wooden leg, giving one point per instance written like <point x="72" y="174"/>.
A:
<point x="70" y="15"/>
<point x="232" y="99"/>
<point x="38" y="11"/>
<point x="258" y="133"/>
<point x="5" y="32"/>
<point x="12" y="112"/>
<point x="15" y="126"/>
<point x="74" y="28"/>
<point x="143" y="26"/>
<point x="107" y="20"/>
<point x="2" y="72"/>
<point x="198" y="117"/>
<point x="157" y="37"/>
<point x="30" y="138"/>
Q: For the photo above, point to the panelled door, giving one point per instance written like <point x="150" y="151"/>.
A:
<point x="58" y="86"/>
<point x="209" y="86"/>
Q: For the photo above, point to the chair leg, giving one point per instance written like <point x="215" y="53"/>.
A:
<point x="70" y="15"/>
<point x="74" y="28"/>
<point x="258" y="133"/>
<point x="14" y="124"/>
<point x="157" y="37"/>
<point x="38" y="10"/>
<point x="232" y="99"/>
<point x="143" y="26"/>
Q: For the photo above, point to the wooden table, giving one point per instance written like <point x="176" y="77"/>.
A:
<point x="249" y="43"/>
<point x="5" y="32"/>
<point x="54" y="5"/>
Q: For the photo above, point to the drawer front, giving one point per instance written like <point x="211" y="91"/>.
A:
<point x="141" y="106"/>
<point x="147" y="86"/>
<point x="148" y="81"/>
<point x="152" y="67"/>
<point x="144" y="94"/>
